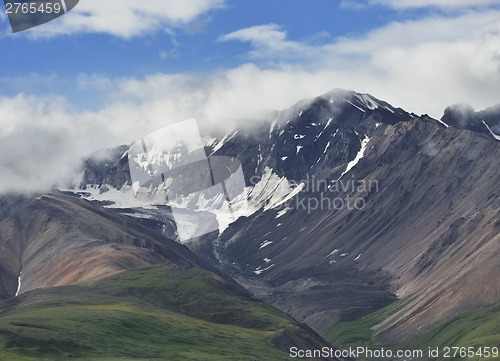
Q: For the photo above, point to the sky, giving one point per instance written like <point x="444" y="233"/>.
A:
<point x="109" y="72"/>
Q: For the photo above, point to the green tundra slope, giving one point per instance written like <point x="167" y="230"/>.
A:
<point x="165" y="312"/>
<point x="478" y="329"/>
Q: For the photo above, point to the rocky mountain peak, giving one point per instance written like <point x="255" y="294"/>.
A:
<point x="463" y="116"/>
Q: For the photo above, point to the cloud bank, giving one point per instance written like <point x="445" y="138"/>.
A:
<point x="420" y="65"/>
<point x="128" y="18"/>
<point x="413" y="4"/>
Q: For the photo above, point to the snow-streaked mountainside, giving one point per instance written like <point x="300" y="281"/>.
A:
<point x="269" y="175"/>
<point x="350" y="204"/>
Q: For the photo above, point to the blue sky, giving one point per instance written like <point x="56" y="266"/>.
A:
<point x="54" y="57"/>
<point x="192" y="47"/>
<point x="104" y="74"/>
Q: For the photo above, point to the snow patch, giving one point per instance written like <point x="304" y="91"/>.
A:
<point x="299" y="147"/>
<point x="273" y="124"/>
<point x="354" y="105"/>
<point x="258" y="271"/>
<point x="328" y="123"/>
<point x="265" y="244"/>
<point x="292" y="194"/>
<point x="224" y="140"/>
<point x="299" y="136"/>
<point x="269" y="190"/>
<point x="18" y="284"/>
<point x="368" y="101"/>
<point x="327" y="146"/>
<point x="326" y="126"/>
<point x="259" y="156"/>
<point x="282" y="213"/>
<point x="209" y="141"/>
<point x="359" y="156"/>
<point x="355" y="259"/>
<point x="443" y="123"/>
<point x="335" y="251"/>
<point x="114" y="198"/>
<point x="496" y="136"/>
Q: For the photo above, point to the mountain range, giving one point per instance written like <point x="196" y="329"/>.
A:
<point x="356" y="215"/>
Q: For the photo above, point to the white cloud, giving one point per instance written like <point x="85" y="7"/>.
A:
<point x="412" y="4"/>
<point x="425" y="65"/>
<point x="171" y="54"/>
<point x="41" y="143"/>
<point x="353" y="4"/>
<point x="127" y="18"/>
<point x="42" y="139"/>
<point x="270" y="41"/>
<point x="421" y="65"/>
<point x="269" y="35"/>
<point x="403" y="4"/>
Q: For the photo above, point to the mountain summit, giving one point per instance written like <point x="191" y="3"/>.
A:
<point x="463" y="116"/>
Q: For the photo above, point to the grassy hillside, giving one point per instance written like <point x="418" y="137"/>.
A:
<point x="477" y="328"/>
<point x="359" y="332"/>
<point x="159" y="313"/>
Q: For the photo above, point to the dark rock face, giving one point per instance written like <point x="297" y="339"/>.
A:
<point x="313" y="135"/>
<point x="108" y="167"/>
<point x="463" y="116"/>
<point x="491" y="117"/>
